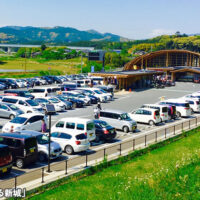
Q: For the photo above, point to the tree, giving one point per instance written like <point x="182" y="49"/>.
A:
<point x="43" y="47"/>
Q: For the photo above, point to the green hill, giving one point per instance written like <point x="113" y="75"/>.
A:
<point x="55" y="35"/>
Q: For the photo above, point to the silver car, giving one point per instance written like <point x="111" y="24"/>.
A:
<point x="8" y="110"/>
<point x="118" y="119"/>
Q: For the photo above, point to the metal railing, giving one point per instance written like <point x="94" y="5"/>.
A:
<point x="111" y="152"/>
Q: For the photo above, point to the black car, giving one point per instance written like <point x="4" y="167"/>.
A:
<point x="56" y="79"/>
<point x="5" y="159"/>
<point x="3" y="86"/>
<point x="47" y="79"/>
<point x="23" y="148"/>
<point x="76" y="103"/>
<point x="69" y="86"/>
<point x="21" y="93"/>
<point x="9" y="83"/>
<point x="104" y="131"/>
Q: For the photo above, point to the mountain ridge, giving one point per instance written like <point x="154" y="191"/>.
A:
<point x="52" y="35"/>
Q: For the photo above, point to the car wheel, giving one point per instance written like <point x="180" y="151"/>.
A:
<point x="29" y="111"/>
<point x="42" y="157"/>
<point x="69" y="150"/>
<point x="20" y="163"/>
<point x="12" y="116"/>
<point x="178" y="114"/>
<point x="126" y="129"/>
<point x="151" y="123"/>
<point x="97" y="138"/>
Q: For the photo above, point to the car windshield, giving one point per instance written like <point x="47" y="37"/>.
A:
<point x="18" y="120"/>
<point x="42" y="139"/>
<point x="13" y="107"/>
<point x="103" y="91"/>
<point x="27" y="93"/>
<point x="53" y="100"/>
<point x="32" y="103"/>
<point x="42" y="100"/>
<point x="125" y="116"/>
<point x="103" y="124"/>
<point x="98" y="92"/>
<point x="80" y="96"/>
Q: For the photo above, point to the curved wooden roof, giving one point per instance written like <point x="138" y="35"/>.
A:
<point x="137" y="60"/>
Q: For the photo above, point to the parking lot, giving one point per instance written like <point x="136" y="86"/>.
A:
<point x="126" y="101"/>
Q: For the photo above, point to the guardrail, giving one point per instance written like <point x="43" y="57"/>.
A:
<point x="94" y="157"/>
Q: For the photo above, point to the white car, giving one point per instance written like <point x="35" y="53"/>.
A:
<point x="25" y="104"/>
<point x="70" y="143"/>
<point x="59" y="105"/>
<point x="182" y="107"/>
<point x="194" y="103"/>
<point x="28" y="121"/>
<point x="162" y="109"/>
<point x="43" y="146"/>
<point x="76" y="125"/>
<point x="146" y="115"/>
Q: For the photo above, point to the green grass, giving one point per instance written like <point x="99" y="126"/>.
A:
<point x="170" y="172"/>
<point x="66" y="66"/>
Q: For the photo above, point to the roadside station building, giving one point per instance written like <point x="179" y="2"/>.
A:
<point x="180" y="65"/>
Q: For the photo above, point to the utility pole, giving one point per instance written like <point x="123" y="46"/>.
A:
<point x="81" y="62"/>
<point x="25" y="60"/>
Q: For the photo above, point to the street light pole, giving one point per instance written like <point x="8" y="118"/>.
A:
<point x="49" y="170"/>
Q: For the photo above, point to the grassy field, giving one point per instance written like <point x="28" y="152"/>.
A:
<point x="66" y="66"/>
<point x="170" y="172"/>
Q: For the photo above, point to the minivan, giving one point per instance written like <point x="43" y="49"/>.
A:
<point x="5" y="159"/>
<point x="194" y="104"/>
<point x="118" y="119"/>
<point x="44" y="91"/>
<point x="20" y="93"/>
<point x="25" y="104"/>
<point x="146" y="115"/>
<point x="182" y="107"/>
<point x="23" y="148"/>
<point x="162" y="109"/>
<point x="76" y="124"/>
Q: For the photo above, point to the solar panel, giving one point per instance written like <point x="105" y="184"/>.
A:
<point x="50" y="108"/>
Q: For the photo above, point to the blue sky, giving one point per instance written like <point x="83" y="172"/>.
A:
<point x="134" y="19"/>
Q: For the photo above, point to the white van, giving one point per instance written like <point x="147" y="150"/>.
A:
<point x="44" y="91"/>
<point x="162" y="109"/>
<point x="182" y="107"/>
<point x="194" y="104"/>
<point x="83" y="82"/>
<point x="146" y="115"/>
<point x="25" y="104"/>
<point x="75" y="124"/>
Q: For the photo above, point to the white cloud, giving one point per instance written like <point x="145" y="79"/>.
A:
<point x="157" y="32"/>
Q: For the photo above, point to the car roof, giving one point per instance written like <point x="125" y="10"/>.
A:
<point x="158" y="105"/>
<point x="30" y="132"/>
<point x="113" y="111"/>
<point x="176" y="100"/>
<point x="16" y="97"/>
<point x="28" y="115"/>
<point x="3" y="146"/>
<point x="78" y="119"/>
<point x="149" y="109"/>
<point x="15" y="135"/>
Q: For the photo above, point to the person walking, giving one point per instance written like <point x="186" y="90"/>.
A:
<point x="44" y="126"/>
